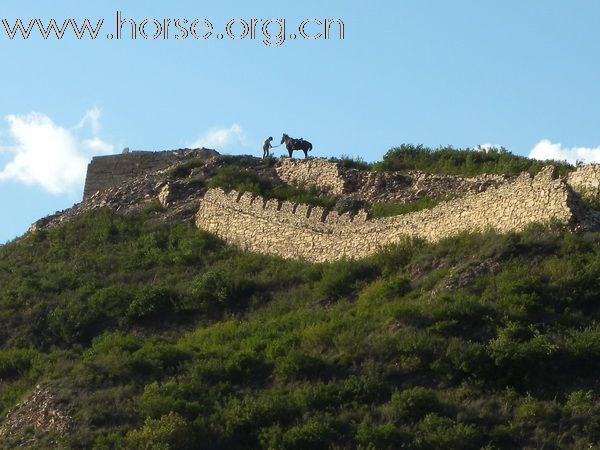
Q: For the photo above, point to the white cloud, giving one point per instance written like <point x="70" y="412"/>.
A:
<point x="547" y="150"/>
<point x="219" y="138"/>
<point x="91" y="117"/>
<point x="47" y="155"/>
<point x="97" y="146"/>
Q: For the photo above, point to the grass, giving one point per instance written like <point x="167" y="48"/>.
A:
<point x="349" y="162"/>
<point x="158" y="335"/>
<point x="463" y="162"/>
<point x="185" y="169"/>
<point x="161" y="336"/>
<point x="388" y="209"/>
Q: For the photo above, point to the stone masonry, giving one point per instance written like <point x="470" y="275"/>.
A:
<point x="130" y="182"/>
<point x="586" y="181"/>
<point x="109" y="171"/>
<point x="400" y="187"/>
<point x="312" y="233"/>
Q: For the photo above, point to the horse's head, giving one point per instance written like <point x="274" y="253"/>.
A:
<point x="284" y="138"/>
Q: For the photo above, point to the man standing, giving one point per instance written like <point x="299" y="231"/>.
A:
<point x="267" y="146"/>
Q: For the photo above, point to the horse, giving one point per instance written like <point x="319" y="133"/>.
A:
<point x="296" y="144"/>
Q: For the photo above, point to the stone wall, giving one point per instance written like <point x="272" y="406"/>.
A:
<point x="108" y="171"/>
<point x="300" y="231"/>
<point x="586" y="181"/>
<point x="314" y="172"/>
<point x="333" y="178"/>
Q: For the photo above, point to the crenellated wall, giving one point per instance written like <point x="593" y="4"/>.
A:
<point x="300" y="231"/>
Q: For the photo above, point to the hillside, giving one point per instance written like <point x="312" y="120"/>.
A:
<point x="124" y="326"/>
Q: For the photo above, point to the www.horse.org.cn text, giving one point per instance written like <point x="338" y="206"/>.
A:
<point x="270" y="32"/>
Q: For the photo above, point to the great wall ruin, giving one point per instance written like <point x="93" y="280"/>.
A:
<point x="289" y="230"/>
<point x="312" y="233"/>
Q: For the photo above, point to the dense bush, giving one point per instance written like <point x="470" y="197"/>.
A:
<point x="411" y="405"/>
<point x="171" y="431"/>
<point x="353" y="163"/>
<point x="350" y="205"/>
<point x="160" y="336"/>
<point x="467" y="162"/>
<point x="185" y="169"/>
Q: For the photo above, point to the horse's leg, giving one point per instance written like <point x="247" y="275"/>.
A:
<point x="290" y="151"/>
<point x="305" y="154"/>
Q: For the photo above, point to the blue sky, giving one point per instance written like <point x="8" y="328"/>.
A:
<point x="523" y="74"/>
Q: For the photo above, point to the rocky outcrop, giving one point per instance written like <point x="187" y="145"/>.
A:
<point x="38" y="415"/>
<point x="140" y="190"/>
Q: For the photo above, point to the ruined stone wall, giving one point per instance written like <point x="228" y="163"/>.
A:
<point x="108" y="171"/>
<point x="586" y="181"/>
<point x="318" y="173"/>
<point x="406" y="187"/>
<point x="333" y="178"/>
<point x="311" y="233"/>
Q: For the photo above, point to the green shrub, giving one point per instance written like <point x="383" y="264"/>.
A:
<point x="349" y="162"/>
<point x="308" y="196"/>
<point x="108" y="360"/>
<point x="442" y="432"/>
<point x="299" y="366"/>
<point x="584" y="345"/>
<point x="112" y="300"/>
<point x="242" y="180"/>
<point x="259" y="351"/>
<point x="240" y="420"/>
<point x="314" y="434"/>
<point x="15" y="362"/>
<point x="532" y="412"/>
<point x="350" y="205"/>
<point x="217" y="290"/>
<point x="387" y="288"/>
<point x="466" y="359"/>
<point x="271" y="437"/>
<point x="342" y="278"/>
<point x="158" y="358"/>
<point x="411" y="404"/>
<point x="380" y="436"/>
<point x="394" y="258"/>
<point x="151" y="303"/>
<point x="152" y="207"/>
<point x="170" y="432"/>
<point x="385" y="209"/>
<point x="109" y="441"/>
<point x="580" y="404"/>
<point x="160" y="399"/>
<point x="238" y="368"/>
<point x="185" y="169"/>
<point x="467" y="162"/>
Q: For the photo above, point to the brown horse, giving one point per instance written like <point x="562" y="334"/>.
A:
<point x="296" y="144"/>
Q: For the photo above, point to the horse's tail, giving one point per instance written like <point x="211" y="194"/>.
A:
<point x="309" y="147"/>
